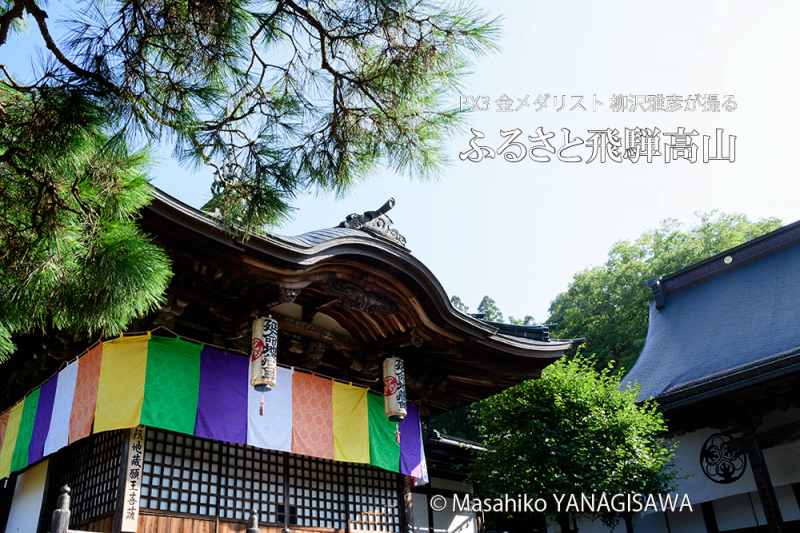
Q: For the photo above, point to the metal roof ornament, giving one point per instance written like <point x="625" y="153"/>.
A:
<point x="376" y="222"/>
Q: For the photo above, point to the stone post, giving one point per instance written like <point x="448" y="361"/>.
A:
<point x="252" y="523"/>
<point x="60" y="522"/>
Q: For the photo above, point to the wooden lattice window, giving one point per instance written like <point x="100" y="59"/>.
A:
<point x="252" y="479"/>
<point x="189" y="475"/>
<point x="317" y="492"/>
<point x="91" y="467"/>
<point x="373" y="499"/>
<point x="180" y="474"/>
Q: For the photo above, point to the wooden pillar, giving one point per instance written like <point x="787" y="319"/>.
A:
<point x="286" y="489"/>
<point x="628" y="523"/>
<point x="766" y="491"/>
<point x="565" y="522"/>
<point x="6" y="496"/>
<point x="666" y="522"/>
<point x="347" y="517"/>
<point x="406" y="504"/>
<point x="116" y="524"/>
<point x="796" y="492"/>
<point x="709" y="518"/>
<point x="430" y="511"/>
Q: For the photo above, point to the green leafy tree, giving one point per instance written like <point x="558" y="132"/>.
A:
<point x="274" y="97"/>
<point x="459" y="304"/>
<point x="488" y="308"/>
<point x="83" y="265"/>
<point x="528" y="320"/>
<point x="608" y="304"/>
<point x="572" y="431"/>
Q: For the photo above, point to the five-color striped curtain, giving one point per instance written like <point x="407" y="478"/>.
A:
<point x="186" y="387"/>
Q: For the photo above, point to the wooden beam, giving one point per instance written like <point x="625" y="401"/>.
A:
<point x="120" y="490"/>
<point x="779" y="435"/>
<point x="306" y="329"/>
<point x="709" y="518"/>
<point x="766" y="491"/>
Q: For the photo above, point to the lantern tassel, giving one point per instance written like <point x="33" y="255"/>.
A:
<point x="261" y="405"/>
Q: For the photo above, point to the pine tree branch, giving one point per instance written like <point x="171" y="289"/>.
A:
<point x="7" y="19"/>
<point x="41" y="21"/>
<point x="323" y="35"/>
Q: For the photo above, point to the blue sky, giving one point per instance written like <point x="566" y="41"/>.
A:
<point x="519" y="231"/>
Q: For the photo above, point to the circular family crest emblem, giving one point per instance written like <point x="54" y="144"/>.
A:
<point x="721" y="462"/>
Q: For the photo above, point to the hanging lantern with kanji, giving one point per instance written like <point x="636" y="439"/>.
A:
<point x="394" y="389"/>
<point x="264" y="354"/>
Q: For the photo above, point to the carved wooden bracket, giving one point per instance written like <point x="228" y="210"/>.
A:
<point x="288" y="294"/>
<point x="355" y="297"/>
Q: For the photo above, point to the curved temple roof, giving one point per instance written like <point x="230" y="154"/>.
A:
<point x="322" y="245"/>
<point x="363" y="278"/>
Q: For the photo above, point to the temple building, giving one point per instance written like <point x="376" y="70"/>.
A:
<point x="188" y="424"/>
<point x="722" y="359"/>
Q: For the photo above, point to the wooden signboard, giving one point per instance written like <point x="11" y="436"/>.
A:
<point x="133" y="478"/>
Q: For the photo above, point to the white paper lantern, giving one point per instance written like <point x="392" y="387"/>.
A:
<point x="264" y="354"/>
<point x="394" y="389"/>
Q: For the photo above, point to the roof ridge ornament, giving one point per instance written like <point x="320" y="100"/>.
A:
<point x="375" y="222"/>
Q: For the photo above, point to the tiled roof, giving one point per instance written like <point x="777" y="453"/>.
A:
<point x="739" y="317"/>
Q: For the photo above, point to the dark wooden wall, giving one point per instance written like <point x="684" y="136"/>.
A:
<point x="152" y="523"/>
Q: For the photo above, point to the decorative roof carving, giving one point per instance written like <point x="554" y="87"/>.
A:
<point x="288" y="294"/>
<point x="376" y="222"/>
<point x="355" y="297"/>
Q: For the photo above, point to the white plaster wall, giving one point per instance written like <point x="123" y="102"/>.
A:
<point x="586" y="525"/>
<point x="788" y="503"/>
<point x="447" y="521"/>
<point x="691" y="479"/>
<point x="737" y="511"/>
<point x="650" y="523"/>
<point x="686" y="522"/>
<point x="26" y="504"/>
<point x="646" y="523"/>
<point x="734" y="512"/>
<point x="783" y="463"/>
